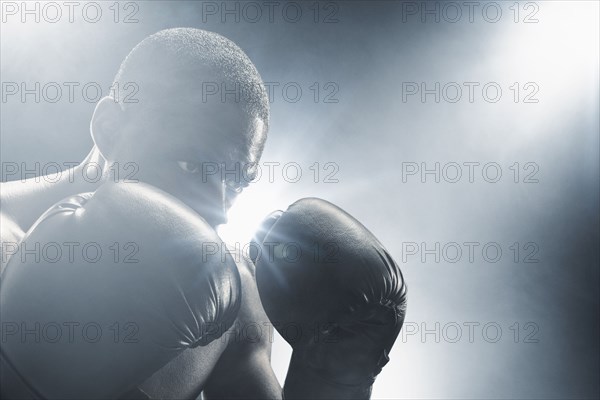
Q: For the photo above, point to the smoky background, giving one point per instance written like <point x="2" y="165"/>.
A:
<point x="362" y="57"/>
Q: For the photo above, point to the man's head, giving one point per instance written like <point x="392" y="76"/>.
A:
<point x="186" y="101"/>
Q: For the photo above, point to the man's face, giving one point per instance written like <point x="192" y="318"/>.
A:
<point x="192" y="150"/>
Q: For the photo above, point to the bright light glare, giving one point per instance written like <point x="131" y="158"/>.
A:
<point x="553" y="61"/>
<point x="252" y="206"/>
<point x="560" y="51"/>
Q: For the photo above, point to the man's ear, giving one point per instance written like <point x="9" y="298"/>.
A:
<point x="105" y="126"/>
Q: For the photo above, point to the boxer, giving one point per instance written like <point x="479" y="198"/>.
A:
<point x="182" y="309"/>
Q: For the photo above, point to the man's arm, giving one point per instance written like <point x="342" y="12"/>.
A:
<point x="244" y="369"/>
<point x="245" y="375"/>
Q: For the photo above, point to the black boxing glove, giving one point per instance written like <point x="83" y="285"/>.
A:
<point x="334" y="293"/>
<point x="96" y="323"/>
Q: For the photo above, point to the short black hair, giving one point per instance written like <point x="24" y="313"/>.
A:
<point x="166" y="59"/>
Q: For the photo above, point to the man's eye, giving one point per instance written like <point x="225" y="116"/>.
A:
<point x="190" y="167"/>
